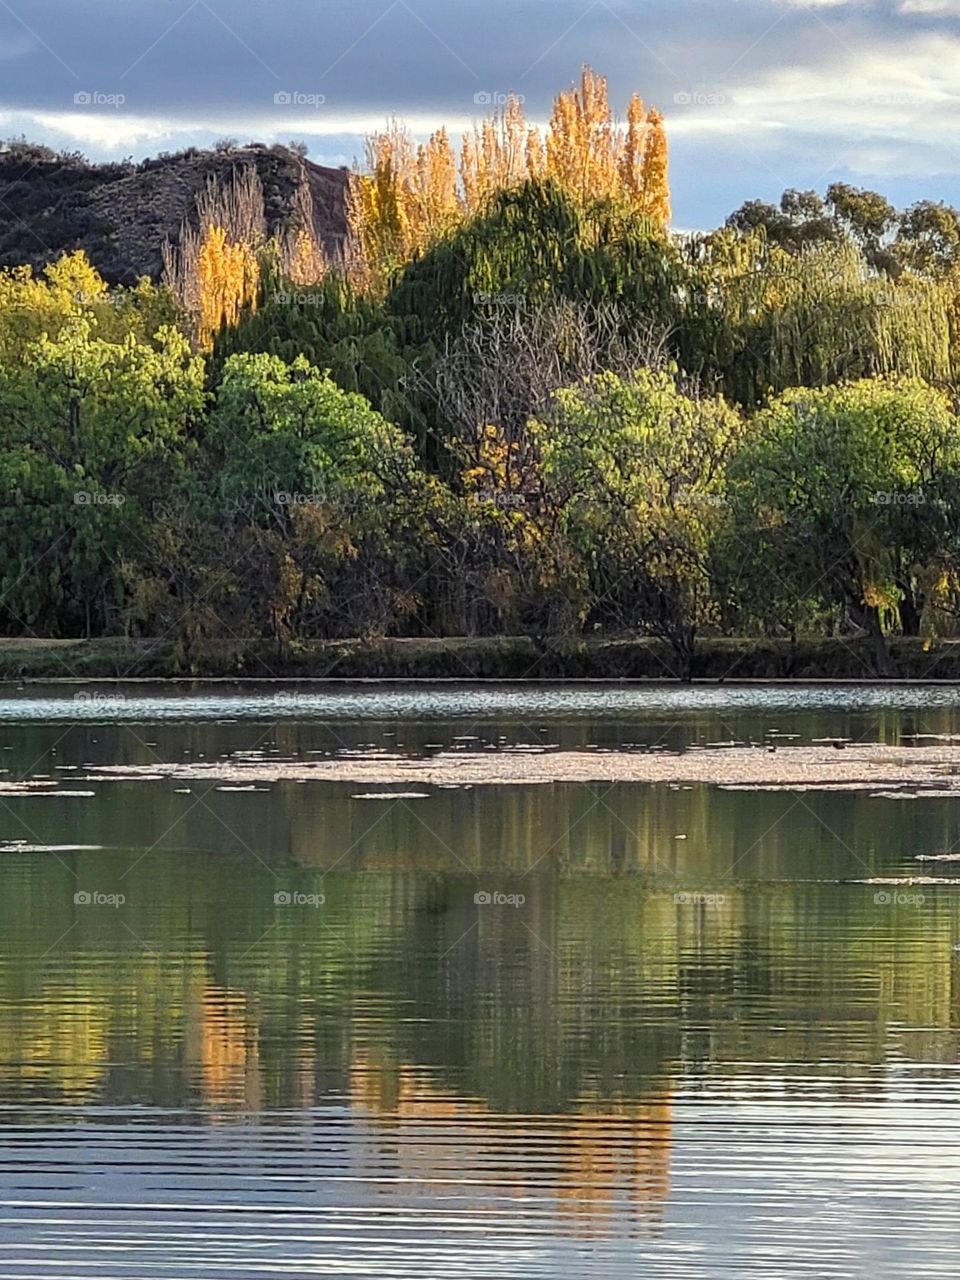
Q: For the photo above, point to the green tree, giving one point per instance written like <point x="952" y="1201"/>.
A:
<point x="92" y="434"/>
<point x="327" y="492"/>
<point x="636" y="470"/>
<point x="838" y="499"/>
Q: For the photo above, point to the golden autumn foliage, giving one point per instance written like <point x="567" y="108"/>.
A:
<point x="215" y="269"/>
<point x="409" y="197"/>
<point x="406" y="200"/>
<point x="499" y="154"/>
<point x="301" y="255"/>
<point x="593" y="157"/>
<point x="228" y="278"/>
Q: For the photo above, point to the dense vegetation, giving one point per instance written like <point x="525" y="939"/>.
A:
<point x="517" y="405"/>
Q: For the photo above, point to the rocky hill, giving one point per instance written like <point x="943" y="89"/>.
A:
<point x="120" y="214"/>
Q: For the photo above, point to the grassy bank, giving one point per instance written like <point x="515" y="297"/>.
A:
<point x="461" y="658"/>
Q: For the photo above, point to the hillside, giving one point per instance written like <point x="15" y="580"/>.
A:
<point x="120" y="214"/>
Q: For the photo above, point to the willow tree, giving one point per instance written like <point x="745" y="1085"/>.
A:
<point x="534" y="243"/>
<point x="760" y="319"/>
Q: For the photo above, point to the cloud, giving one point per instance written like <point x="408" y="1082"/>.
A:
<point x="759" y="95"/>
<point x="945" y="7"/>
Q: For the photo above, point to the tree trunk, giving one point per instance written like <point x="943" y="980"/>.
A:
<point x="683" y="644"/>
<point x="883" y="660"/>
<point x="910" y="610"/>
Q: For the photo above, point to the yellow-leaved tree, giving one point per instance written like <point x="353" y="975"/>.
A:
<point x="593" y="157"/>
<point x="409" y="196"/>
<point x="214" y="270"/>
<point x="404" y="202"/>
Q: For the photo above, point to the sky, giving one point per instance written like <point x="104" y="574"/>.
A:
<point x="758" y="95"/>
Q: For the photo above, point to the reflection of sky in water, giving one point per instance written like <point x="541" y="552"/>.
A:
<point x="147" y="701"/>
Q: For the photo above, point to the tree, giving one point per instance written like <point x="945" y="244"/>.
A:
<point x="402" y="205"/>
<point x="31" y="306"/>
<point x="214" y="270"/>
<point x="838" y="498"/>
<point x="869" y="219"/>
<point x="93" y="433"/>
<point x="636" y="470"/>
<point x="326" y="490"/>
<point x="928" y="239"/>
<point x="408" y="199"/>
<point x="759" y="319"/>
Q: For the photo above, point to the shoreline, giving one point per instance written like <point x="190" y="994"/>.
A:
<point x="465" y="660"/>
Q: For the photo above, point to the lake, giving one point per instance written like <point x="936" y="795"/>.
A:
<point x="310" y="1028"/>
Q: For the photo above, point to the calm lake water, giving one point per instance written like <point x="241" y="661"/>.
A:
<point x="273" y="1032"/>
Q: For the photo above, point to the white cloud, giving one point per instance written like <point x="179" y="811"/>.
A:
<point x="878" y="110"/>
<point x="946" y="7"/>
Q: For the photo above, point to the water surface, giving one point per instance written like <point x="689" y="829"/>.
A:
<point x="683" y="1031"/>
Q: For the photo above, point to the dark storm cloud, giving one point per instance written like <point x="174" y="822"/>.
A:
<point x="181" y="57"/>
<point x="759" y="94"/>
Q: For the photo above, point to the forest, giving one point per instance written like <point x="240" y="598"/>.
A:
<point x="513" y="402"/>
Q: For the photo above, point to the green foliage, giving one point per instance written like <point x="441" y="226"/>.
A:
<point x="636" y="471"/>
<point x="93" y="433"/>
<point x="536" y="243"/>
<point x="333" y="328"/>
<point x="761" y="319"/>
<point x="557" y="422"/>
<point x="842" y="503"/>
